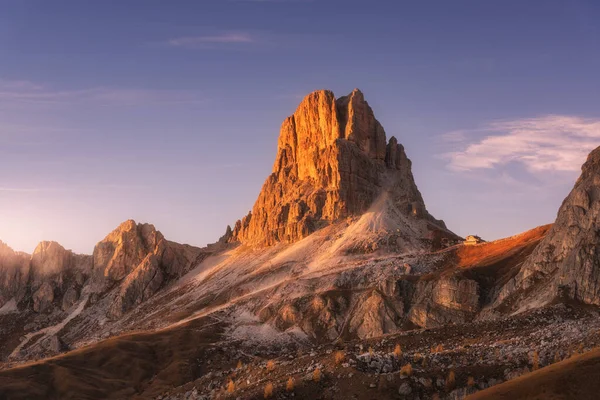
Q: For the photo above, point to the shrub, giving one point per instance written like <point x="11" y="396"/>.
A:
<point x="397" y="351"/>
<point x="535" y="362"/>
<point x="406" y="370"/>
<point x="424" y="363"/>
<point x="437" y="349"/>
<point x="231" y="387"/>
<point x="240" y="364"/>
<point x="317" y="375"/>
<point x="268" y="390"/>
<point x="417" y="357"/>
<point x="450" y="381"/>
<point x="290" y="385"/>
<point x="339" y="357"/>
<point x="270" y="365"/>
<point x="471" y="381"/>
<point x="371" y="350"/>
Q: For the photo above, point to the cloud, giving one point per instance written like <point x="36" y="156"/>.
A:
<point x="547" y="143"/>
<point x="208" y="41"/>
<point x="12" y="92"/>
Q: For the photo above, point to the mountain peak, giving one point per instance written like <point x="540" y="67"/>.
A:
<point x="333" y="161"/>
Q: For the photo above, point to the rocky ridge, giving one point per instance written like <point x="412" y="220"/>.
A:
<point x="566" y="264"/>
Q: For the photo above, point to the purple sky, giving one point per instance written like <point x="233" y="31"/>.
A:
<point x="169" y="113"/>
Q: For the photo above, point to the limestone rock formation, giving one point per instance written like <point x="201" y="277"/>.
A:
<point x="567" y="262"/>
<point x="140" y="260"/>
<point x="332" y="162"/>
<point x="14" y="274"/>
<point x="56" y="274"/>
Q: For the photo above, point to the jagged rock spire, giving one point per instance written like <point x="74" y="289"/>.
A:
<point x="332" y="161"/>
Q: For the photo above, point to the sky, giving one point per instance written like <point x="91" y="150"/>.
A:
<point x="169" y="112"/>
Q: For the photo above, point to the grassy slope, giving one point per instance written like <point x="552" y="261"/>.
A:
<point x="115" y="368"/>
<point x="575" y="378"/>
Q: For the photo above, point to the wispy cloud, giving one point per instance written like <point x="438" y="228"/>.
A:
<point x="208" y="41"/>
<point x="29" y="92"/>
<point x="547" y="143"/>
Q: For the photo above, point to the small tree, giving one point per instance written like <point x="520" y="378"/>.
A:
<point x="339" y="357"/>
<point x="231" y="387"/>
<point x="317" y="375"/>
<point x="535" y="362"/>
<point x="556" y="357"/>
<point x="397" y="351"/>
<point x="437" y="349"/>
<point x="471" y="382"/>
<point x="270" y="365"/>
<point x="290" y="385"/>
<point x="406" y="370"/>
<point x="450" y="381"/>
<point x="268" y="390"/>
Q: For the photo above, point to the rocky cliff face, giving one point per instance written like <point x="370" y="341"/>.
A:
<point x="567" y="262"/>
<point x="56" y="274"/>
<point x="332" y="161"/>
<point x="138" y="259"/>
<point x="14" y="274"/>
<point x="43" y="279"/>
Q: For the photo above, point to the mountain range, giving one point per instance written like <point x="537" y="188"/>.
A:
<point x="337" y="284"/>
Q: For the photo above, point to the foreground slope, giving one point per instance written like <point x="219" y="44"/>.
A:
<point x="53" y="299"/>
<point x="575" y="378"/>
<point x="254" y="305"/>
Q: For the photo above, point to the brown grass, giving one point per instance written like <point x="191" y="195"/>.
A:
<point x="406" y="370"/>
<point x="152" y="362"/>
<point x="574" y="378"/>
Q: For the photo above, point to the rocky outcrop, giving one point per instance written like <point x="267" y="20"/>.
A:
<point x="57" y="275"/>
<point x="138" y="259"/>
<point x="567" y="262"/>
<point x="122" y="250"/>
<point x="14" y="274"/>
<point x="332" y="162"/>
